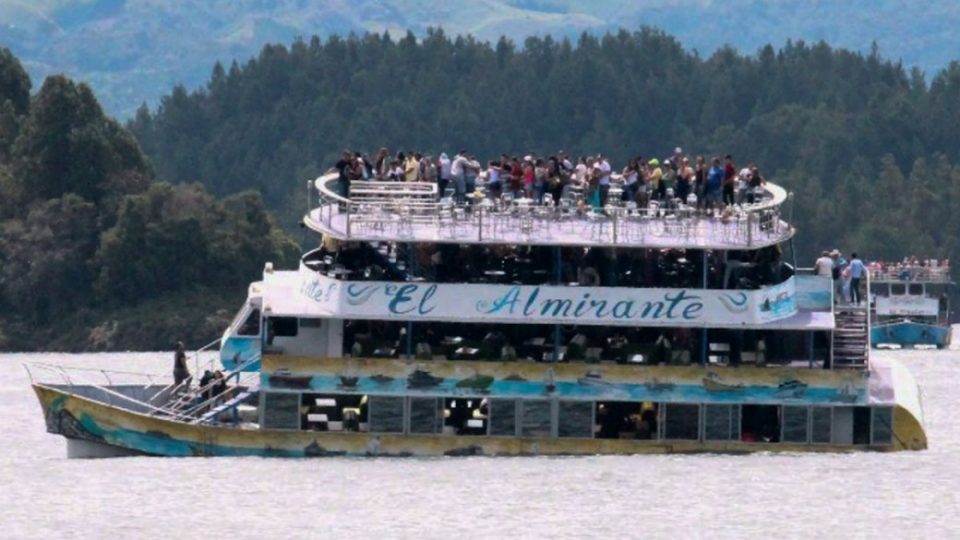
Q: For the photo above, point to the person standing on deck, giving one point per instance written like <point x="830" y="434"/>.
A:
<point x="444" y="169"/>
<point x="711" y="192"/>
<point x="428" y="170"/>
<point x="470" y="172"/>
<point x="381" y="165"/>
<point x="411" y="168"/>
<point x="653" y="180"/>
<point x="839" y="263"/>
<point x="180" y="371"/>
<point x="700" y="181"/>
<point x="857" y="270"/>
<point x="458" y="174"/>
<point x="824" y="265"/>
<point x="604" y="180"/>
<point x="729" y="180"/>
<point x="344" y="168"/>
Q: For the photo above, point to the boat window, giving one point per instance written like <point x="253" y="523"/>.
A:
<point x="465" y="416"/>
<point x="536" y="418"/>
<point x="882" y="430"/>
<point x="841" y="429"/>
<point x="795" y="424"/>
<point x="861" y="425"/>
<point x="282" y="326"/>
<point x="311" y="323"/>
<point x="916" y="289"/>
<point x="251" y="325"/>
<point x="575" y="419"/>
<point x="386" y="414"/>
<point x="626" y="420"/>
<point x="281" y="410"/>
<point x="759" y="423"/>
<point x="333" y="412"/>
<point x="897" y="288"/>
<point x="681" y="421"/>
<point x="721" y="423"/>
<point x="503" y="417"/>
<point x="425" y="415"/>
<point x="820" y="432"/>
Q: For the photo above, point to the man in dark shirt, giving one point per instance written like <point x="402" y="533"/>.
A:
<point x="180" y="371"/>
<point x="344" y="168"/>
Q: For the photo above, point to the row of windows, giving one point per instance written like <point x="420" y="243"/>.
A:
<point x="481" y="416"/>
<point x="899" y="289"/>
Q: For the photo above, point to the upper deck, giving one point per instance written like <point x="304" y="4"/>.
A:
<point x="928" y="272"/>
<point x="411" y="212"/>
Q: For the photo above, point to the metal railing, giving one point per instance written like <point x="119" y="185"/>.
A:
<point x="179" y="402"/>
<point x="910" y="272"/>
<point x="393" y="210"/>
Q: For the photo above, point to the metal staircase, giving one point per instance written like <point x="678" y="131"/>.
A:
<point x="851" y="337"/>
<point x="213" y="414"/>
<point x="198" y="405"/>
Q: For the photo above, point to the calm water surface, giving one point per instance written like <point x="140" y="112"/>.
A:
<point x="903" y="495"/>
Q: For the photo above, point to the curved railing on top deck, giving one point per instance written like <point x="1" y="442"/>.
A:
<point x="412" y="212"/>
<point x="934" y="272"/>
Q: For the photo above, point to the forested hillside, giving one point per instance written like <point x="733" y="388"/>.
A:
<point x="94" y="253"/>
<point x="868" y="147"/>
<point x="131" y="51"/>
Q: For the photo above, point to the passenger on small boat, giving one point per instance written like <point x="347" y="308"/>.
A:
<point x="180" y="371"/>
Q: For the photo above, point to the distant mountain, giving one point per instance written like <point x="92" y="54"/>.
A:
<point x="132" y="51"/>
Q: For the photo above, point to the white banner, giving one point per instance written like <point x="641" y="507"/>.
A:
<point x="907" y="305"/>
<point x="320" y="296"/>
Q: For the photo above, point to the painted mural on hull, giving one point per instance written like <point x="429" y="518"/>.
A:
<point x="573" y="381"/>
<point x="83" y="419"/>
<point x="910" y="333"/>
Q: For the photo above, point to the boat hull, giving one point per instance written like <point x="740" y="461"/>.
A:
<point x="910" y="334"/>
<point x="76" y="417"/>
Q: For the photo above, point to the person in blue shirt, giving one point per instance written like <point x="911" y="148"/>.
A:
<point x="857" y="269"/>
<point x="714" y="183"/>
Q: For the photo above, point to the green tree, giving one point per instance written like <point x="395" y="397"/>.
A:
<point x="44" y="270"/>
<point x="66" y="145"/>
<point x="14" y="82"/>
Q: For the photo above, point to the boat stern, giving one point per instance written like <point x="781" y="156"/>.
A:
<point x="891" y="383"/>
<point x="909" y="333"/>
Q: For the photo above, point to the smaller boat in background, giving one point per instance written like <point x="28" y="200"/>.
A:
<point x="909" y="304"/>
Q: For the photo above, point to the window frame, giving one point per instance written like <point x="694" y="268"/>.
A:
<point x="662" y="421"/>
<point x="807" y="423"/>
<point x="734" y="423"/>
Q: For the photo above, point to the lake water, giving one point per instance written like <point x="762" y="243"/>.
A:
<point x="902" y="495"/>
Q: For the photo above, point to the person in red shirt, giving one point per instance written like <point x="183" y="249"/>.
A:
<point x="729" y="180"/>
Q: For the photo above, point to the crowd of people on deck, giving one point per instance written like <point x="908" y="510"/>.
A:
<point x="698" y="182"/>
<point x="910" y="269"/>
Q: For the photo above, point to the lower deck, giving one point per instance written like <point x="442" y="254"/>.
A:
<point x="538" y="430"/>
